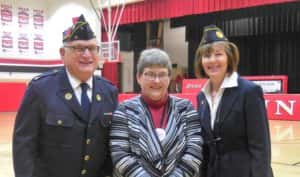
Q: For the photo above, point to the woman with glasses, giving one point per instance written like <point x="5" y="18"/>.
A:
<point x="232" y="111"/>
<point x="155" y="134"/>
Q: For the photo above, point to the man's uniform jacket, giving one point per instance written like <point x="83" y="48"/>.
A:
<point x="51" y="136"/>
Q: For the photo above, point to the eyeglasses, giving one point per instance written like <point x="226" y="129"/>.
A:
<point x="81" y="49"/>
<point x="151" y="76"/>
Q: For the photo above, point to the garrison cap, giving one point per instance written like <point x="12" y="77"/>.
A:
<point x="80" y="30"/>
<point x="212" y="33"/>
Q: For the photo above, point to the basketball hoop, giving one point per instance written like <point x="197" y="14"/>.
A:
<point x="109" y="50"/>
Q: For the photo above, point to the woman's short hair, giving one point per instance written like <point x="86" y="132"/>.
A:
<point x="231" y="51"/>
<point x="153" y="57"/>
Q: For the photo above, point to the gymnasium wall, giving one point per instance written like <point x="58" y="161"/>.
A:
<point x="31" y="32"/>
<point x="279" y="106"/>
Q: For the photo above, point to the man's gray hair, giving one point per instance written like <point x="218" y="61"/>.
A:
<point x="153" y="57"/>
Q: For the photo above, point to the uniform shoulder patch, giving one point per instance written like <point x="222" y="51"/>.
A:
<point x="45" y="74"/>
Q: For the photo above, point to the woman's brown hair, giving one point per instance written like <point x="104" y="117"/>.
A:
<point x="231" y="51"/>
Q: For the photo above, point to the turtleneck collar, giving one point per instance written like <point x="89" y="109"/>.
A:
<point x="155" y="104"/>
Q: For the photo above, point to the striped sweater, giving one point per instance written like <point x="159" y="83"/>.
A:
<point x="136" y="150"/>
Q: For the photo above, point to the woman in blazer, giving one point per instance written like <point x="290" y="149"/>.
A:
<point x="232" y="110"/>
<point x="155" y="134"/>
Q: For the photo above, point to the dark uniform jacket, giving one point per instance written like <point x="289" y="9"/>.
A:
<point x="51" y="136"/>
<point x="239" y="144"/>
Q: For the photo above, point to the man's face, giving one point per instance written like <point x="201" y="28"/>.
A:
<point x="81" y="58"/>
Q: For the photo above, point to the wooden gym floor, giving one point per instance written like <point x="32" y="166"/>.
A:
<point x="285" y="137"/>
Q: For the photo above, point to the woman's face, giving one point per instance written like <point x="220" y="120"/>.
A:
<point x="215" y="63"/>
<point x="154" y="82"/>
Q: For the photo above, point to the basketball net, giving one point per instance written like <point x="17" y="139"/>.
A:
<point x="110" y="22"/>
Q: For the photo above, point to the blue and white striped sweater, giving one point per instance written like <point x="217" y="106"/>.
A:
<point x="137" y="151"/>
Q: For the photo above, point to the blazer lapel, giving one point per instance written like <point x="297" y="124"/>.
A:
<point x="204" y="112"/>
<point x="66" y="93"/>
<point x="228" y="98"/>
<point x="97" y="99"/>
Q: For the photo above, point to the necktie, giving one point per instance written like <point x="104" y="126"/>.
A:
<point x="85" y="102"/>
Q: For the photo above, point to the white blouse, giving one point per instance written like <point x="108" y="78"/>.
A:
<point x="228" y="82"/>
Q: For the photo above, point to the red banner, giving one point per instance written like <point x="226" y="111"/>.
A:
<point x="192" y="85"/>
<point x="269" y="84"/>
<point x="283" y="106"/>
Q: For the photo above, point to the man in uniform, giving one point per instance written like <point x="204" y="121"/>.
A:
<point x="62" y="126"/>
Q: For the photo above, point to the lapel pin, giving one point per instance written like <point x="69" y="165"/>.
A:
<point x="202" y="102"/>
<point x="98" y="97"/>
<point x="108" y="113"/>
<point x="68" y="96"/>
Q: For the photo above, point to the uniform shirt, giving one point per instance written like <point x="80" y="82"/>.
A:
<point x="228" y="82"/>
<point x="75" y="84"/>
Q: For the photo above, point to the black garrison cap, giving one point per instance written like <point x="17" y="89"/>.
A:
<point x="212" y="33"/>
<point x="80" y="30"/>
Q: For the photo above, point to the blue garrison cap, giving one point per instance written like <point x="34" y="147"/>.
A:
<point x="80" y="30"/>
<point x="212" y="33"/>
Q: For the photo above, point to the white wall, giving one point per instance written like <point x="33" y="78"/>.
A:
<point x="59" y="18"/>
<point x="127" y="74"/>
<point x="175" y="44"/>
<point x="15" y="29"/>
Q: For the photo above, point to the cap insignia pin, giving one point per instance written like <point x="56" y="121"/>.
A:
<point x="219" y="34"/>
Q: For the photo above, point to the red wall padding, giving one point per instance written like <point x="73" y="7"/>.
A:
<point x="111" y="72"/>
<point x="11" y="95"/>
<point x="279" y="106"/>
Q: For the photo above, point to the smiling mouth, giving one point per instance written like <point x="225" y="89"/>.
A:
<point x="213" y="68"/>
<point x="156" y="88"/>
<point x="85" y="62"/>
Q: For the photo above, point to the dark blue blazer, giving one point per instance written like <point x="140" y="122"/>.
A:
<point x="52" y="138"/>
<point x="239" y="144"/>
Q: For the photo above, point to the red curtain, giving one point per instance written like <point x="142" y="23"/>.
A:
<point x="150" y="10"/>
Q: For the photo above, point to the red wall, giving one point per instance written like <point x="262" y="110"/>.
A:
<point x="279" y="106"/>
<point x="11" y="95"/>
